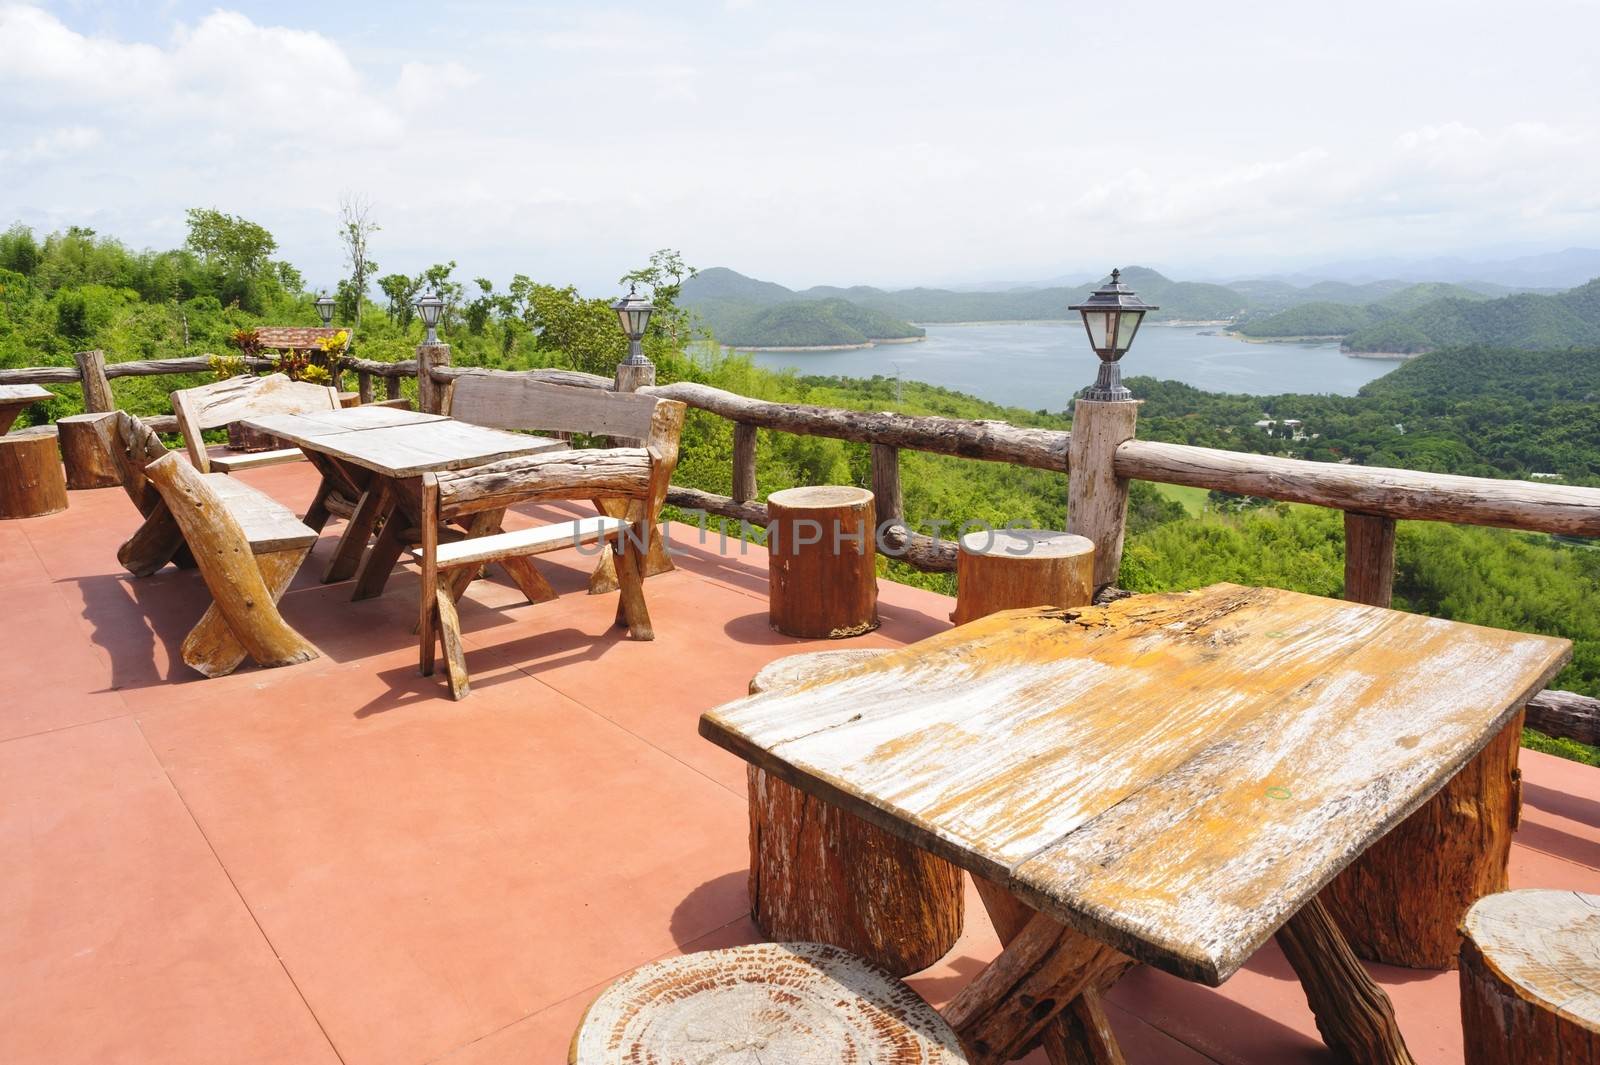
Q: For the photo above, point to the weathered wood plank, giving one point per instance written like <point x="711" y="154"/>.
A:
<point x="522" y="401"/>
<point x="1374" y="490"/>
<point x="239" y="399"/>
<point x="399" y="443"/>
<point x="1566" y="714"/>
<point x="1155" y="771"/>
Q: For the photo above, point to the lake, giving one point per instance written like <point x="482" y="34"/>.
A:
<point x="1040" y="365"/>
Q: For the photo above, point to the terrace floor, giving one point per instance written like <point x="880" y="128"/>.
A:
<point x="334" y="862"/>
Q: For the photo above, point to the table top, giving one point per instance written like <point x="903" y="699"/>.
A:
<point x="22" y="395"/>
<point x="400" y="443"/>
<point x="1174" y="774"/>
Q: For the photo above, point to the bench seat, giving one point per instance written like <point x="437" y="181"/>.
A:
<point x="249" y="460"/>
<point x="267" y="524"/>
<point x="536" y="541"/>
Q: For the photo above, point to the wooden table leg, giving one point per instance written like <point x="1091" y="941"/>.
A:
<point x="375" y="503"/>
<point x="335" y="478"/>
<point x="1353" y="1013"/>
<point x="1080" y="1034"/>
<point x="385" y="552"/>
<point x="604" y="577"/>
<point x="1039" y="974"/>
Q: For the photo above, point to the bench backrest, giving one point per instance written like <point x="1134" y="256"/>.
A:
<point x="215" y="405"/>
<point x="133" y="446"/>
<point x="518" y="401"/>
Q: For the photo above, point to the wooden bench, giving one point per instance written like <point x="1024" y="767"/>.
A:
<point x="629" y="483"/>
<point x="521" y="403"/>
<point x="215" y="405"/>
<point x="247" y="545"/>
<point x="770" y="1002"/>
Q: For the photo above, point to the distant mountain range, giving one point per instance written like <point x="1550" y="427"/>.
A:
<point x="1373" y="316"/>
<point x="1550" y="270"/>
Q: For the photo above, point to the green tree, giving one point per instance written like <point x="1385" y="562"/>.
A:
<point x="356" y="226"/>
<point x="238" y="253"/>
<point x="401" y="292"/>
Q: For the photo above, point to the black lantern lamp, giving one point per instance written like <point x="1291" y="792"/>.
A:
<point x="634" y="311"/>
<point x="324" y="307"/>
<point x="1111" y="316"/>
<point x="428" y="307"/>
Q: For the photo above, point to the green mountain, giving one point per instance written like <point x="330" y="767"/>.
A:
<point x="1338" y="317"/>
<point x="813" y="323"/>
<point x="1525" y="320"/>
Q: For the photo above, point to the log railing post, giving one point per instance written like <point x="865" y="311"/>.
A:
<point x="1097" y="499"/>
<point x="430" y="393"/>
<point x="364" y="386"/>
<point x="886" y="484"/>
<point x="97" y="397"/>
<point x="744" y="462"/>
<point x="1368" y="559"/>
<point x="391" y="386"/>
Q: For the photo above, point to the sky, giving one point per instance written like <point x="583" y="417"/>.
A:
<point x="869" y="142"/>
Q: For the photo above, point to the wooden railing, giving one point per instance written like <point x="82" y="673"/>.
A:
<point x="1099" y="457"/>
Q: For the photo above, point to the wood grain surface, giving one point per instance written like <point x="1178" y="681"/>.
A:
<point x="400" y="443"/>
<point x="1174" y="774"/>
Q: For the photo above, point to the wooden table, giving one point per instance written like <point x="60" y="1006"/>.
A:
<point x="15" y="397"/>
<point x="1169" y="779"/>
<point x="377" y="455"/>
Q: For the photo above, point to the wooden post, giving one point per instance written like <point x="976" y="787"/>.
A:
<point x="364" y="386"/>
<point x="31" y="481"/>
<point x="633" y="376"/>
<point x="1097" y="499"/>
<point x="886" y="484"/>
<point x="1368" y="558"/>
<point x="1402" y="901"/>
<point x="430" y="393"/>
<point x="97" y="395"/>
<point x="1530" y="979"/>
<point x="744" y="462"/>
<point x="84" y="450"/>
<point x="822" y="551"/>
<point x="1006" y="569"/>
<point x="391" y="387"/>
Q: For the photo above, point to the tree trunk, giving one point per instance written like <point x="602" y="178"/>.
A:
<point x="1003" y="570"/>
<point x="1403" y="900"/>
<point x="84" y="452"/>
<point x="821" y="547"/>
<point x="819" y="874"/>
<point x="1530" y="979"/>
<point x="32" y="483"/>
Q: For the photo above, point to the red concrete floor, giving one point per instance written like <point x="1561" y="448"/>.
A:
<point x="334" y="862"/>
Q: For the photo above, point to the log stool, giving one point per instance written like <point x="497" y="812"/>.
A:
<point x="1403" y="900"/>
<point x="821" y="543"/>
<point x="84" y="452"/>
<point x="1011" y="568"/>
<point x="820" y="873"/>
<point x="1530" y="979"/>
<point x="780" y="1003"/>
<point x="31" y="479"/>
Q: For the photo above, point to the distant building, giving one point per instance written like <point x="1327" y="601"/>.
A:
<point x="1545" y="476"/>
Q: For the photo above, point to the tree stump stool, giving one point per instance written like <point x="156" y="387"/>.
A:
<point x="1530" y="979"/>
<point x="1011" y="568"/>
<point x="1403" y="900"/>
<point x="32" y="482"/>
<point x="821" y="543"/>
<point x="84" y="453"/>
<point x="819" y="873"/>
<point x="781" y="1003"/>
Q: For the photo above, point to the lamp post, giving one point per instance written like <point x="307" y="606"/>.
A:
<point x="634" y="311"/>
<point x="428" y="308"/>
<point x="324" y="307"/>
<point x="1111" y="317"/>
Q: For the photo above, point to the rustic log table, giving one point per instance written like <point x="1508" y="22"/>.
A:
<point x="1168" y="779"/>
<point x="15" y="397"/>
<point x="377" y="456"/>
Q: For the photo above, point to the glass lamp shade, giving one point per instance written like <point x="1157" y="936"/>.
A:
<point x="633" y="313"/>
<point x="324" y="307"/>
<point x="1111" y="331"/>
<point x="429" y="308"/>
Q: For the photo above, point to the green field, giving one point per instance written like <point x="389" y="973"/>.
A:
<point x="1193" y="499"/>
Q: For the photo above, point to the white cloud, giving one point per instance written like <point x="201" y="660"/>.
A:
<point x="55" y="145"/>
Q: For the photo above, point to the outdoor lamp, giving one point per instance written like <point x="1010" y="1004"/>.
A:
<point x="324" y="307"/>
<point x="634" y="311"/>
<point x="1111" y="316"/>
<point x="428" y="307"/>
